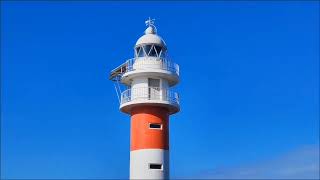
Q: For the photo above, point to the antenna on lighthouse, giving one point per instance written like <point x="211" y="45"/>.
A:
<point x="150" y="22"/>
<point x="151" y="27"/>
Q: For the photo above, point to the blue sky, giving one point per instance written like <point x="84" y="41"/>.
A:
<point x="249" y="88"/>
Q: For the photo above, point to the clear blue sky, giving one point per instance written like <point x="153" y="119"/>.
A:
<point x="249" y="87"/>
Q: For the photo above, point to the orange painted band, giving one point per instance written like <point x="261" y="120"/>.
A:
<point x="144" y="137"/>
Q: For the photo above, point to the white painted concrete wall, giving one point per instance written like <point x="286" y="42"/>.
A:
<point x="147" y="63"/>
<point x="140" y="160"/>
<point x="139" y="88"/>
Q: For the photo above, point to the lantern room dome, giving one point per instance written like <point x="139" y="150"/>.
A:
<point x="151" y="39"/>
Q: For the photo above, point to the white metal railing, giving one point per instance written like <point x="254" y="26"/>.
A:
<point x="152" y="63"/>
<point x="149" y="93"/>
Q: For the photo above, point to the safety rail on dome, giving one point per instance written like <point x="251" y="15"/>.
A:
<point x="149" y="93"/>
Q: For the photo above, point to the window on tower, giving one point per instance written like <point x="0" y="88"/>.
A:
<point x="155" y="166"/>
<point x="155" y="126"/>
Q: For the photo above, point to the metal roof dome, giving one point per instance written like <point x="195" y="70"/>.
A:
<point x="151" y="36"/>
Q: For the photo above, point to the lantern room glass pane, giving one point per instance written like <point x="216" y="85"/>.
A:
<point x="162" y="53"/>
<point x="158" y="49"/>
<point x="147" y="49"/>
<point x="150" y="50"/>
<point x="153" y="52"/>
<point x="140" y="52"/>
<point x="137" y="49"/>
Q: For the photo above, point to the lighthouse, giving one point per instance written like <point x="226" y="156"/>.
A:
<point x="148" y="98"/>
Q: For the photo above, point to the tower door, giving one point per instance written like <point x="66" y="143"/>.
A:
<point x="154" y="89"/>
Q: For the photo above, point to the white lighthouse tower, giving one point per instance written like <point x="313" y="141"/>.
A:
<point x="148" y="99"/>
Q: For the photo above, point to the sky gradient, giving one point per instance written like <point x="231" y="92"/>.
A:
<point x="249" y="88"/>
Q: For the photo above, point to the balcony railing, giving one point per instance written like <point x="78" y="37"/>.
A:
<point x="142" y="63"/>
<point x="152" y="63"/>
<point x="149" y="93"/>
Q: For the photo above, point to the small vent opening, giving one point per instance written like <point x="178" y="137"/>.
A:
<point x="155" y="166"/>
<point x="155" y="126"/>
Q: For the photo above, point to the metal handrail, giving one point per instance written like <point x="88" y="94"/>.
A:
<point x="149" y="93"/>
<point x="165" y="64"/>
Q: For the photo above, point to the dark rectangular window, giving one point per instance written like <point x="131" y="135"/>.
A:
<point x="154" y="126"/>
<point x="155" y="166"/>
